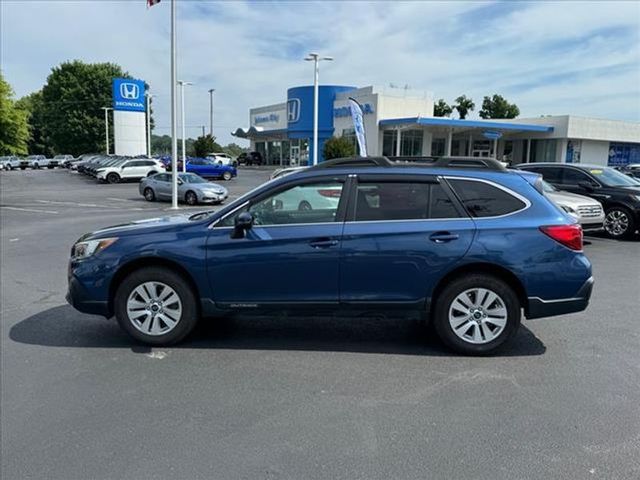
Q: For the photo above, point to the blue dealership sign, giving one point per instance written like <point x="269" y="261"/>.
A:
<point x="128" y="95"/>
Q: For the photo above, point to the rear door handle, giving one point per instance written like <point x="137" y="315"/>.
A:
<point x="323" y="243"/>
<point x="443" y="237"/>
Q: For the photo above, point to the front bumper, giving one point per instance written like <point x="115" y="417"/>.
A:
<point x="208" y="197"/>
<point x="78" y="297"/>
<point x="539" y="308"/>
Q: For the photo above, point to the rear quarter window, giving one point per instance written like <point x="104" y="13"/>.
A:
<point x="485" y="200"/>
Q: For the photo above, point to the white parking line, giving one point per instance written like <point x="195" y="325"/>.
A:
<point x="33" y="210"/>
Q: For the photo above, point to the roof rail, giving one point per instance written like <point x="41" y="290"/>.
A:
<point x="355" y="162"/>
<point x="453" y="162"/>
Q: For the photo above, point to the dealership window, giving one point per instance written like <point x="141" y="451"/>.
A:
<point x="543" y="150"/>
<point x="437" y="147"/>
<point x="389" y="138"/>
<point x="621" y="154"/>
<point x="411" y="143"/>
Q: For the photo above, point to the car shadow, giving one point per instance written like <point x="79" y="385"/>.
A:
<point x="63" y="326"/>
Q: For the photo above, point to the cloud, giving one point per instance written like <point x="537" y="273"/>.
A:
<point x="548" y="57"/>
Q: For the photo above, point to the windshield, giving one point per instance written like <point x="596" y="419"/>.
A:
<point x="613" y="178"/>
<point x="547" y="187"/>
<point x="192" y="178"/>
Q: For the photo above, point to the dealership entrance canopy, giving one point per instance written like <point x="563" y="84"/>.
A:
<point x="400" y="123"/>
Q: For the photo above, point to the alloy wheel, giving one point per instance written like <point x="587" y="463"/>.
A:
<point x="478" y="315"/>
<point x="154" y="308"/>
<point x="616" y="223"/>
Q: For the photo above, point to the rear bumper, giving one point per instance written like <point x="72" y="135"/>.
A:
<point x="539" y="307"/>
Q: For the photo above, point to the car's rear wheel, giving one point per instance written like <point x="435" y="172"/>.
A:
<point x="477" y="314"/>
<point x="156" y="306"/>
<point x="191" y="198"/>
<point x="619" y="223"/>
<point x="113" y="178"/>
<point x="226" y="176"/>
<point x="149" y="195"/>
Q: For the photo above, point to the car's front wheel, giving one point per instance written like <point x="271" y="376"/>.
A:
<point x="476" y="314"/>
<point x="113" y="178"/>
<point x="191" y="198"/>
<point x="619" y="223"/>
<point x="156" y="306"/>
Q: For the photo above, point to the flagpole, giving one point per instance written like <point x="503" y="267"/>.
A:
<point x="174" y="123"/>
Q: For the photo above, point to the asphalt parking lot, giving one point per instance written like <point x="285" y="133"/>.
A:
<point x="293" y="398"/>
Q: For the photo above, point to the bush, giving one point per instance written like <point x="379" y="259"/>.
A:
<point x="338" y="147"/>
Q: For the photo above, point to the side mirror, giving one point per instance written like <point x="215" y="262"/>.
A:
<point x="588" y="186"/>
<point x="243" y="222"/>
<point x="180" y="182"/>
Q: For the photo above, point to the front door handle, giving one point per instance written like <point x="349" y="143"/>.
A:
<point x="323" y="243"/>
<point x="443" y="237"/>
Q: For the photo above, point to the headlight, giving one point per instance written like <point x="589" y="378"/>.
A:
<point x="86" y="249"/>
<point x="568" y="209"/>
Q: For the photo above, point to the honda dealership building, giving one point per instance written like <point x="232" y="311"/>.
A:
<point x="400" y="122"/>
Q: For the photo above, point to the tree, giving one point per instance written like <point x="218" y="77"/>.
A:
<point x="442" y="109"/>
<point x="464" y="105"/>
<point x="72" y="101"/>
<point x="14" y="129"/>
<point x="205" y="145"/>
<point x="498" y="107"/>
<point x="233" y="149"/>
<point x="39" y="144"/>
<point x="338" y="147"/>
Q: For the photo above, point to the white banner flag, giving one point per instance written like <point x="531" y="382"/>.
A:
<point x="358" y="125"/>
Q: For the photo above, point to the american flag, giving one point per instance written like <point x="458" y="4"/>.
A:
<point x="151" y="3"/>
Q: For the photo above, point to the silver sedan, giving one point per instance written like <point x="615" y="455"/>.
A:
<point x="192" y="189"/>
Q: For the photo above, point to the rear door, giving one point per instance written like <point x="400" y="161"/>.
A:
<point x="402" y="233"/>
<point x="162" y="185"/>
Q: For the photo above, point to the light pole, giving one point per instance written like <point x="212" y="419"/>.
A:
<point x="174" y="126"/>
<point x="211" y="111"/>
<point x="315" y="58"/>
<point x="106" y="126"/>
<point x="149" y="97"/>
<point x="182" y="83"/>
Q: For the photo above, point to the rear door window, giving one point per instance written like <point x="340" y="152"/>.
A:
<point x="550" y="174"/>
<point x="379" y="201"/>
<point x="572" y="176"/>
<point x="485" y="200"/>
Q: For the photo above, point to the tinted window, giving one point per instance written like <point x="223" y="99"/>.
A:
<point x="307" y="203"/>
<point x="571" y="176"/>
<point x="484" y="200"/>
<point x="402" y="201"/>
<point x="550" y="174"/>
<point x="162" y="177"/>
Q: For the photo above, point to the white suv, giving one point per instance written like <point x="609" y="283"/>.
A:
<point x="133" y="169"/>
<point x="223" y="159"/>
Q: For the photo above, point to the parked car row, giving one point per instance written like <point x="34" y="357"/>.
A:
<point x="35" y="162"/>
<point x="115" y="169"/>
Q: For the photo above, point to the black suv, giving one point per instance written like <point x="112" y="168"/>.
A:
<point x="618" y="193"/>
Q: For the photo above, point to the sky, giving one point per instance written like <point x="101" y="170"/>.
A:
<point x="567" y="57"/>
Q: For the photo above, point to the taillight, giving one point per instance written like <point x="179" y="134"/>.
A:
<point x="331" y="193"/>
<point x="568" y="235"/>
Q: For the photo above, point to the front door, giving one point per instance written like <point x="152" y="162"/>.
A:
<point x="289" y="257"/>
<point x="400" y="237"/>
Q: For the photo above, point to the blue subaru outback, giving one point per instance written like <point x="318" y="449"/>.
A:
<point x="469" y="244"/>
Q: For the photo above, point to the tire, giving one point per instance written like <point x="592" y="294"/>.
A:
<point x="191" y="198"/>
<point x="149" y="194"/>
<point x="304" y="206"/>
<point x="226" y="176"/>
<point x="113" y="178"/>
<point x="148" y="327"/>
<point x="477" y="332"/>
<point x="36" y="166"/>
<point x="9" y="167"/>
<point x="619" y="222"/>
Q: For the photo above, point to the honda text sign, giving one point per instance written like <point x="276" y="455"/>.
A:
<point x="128" y="95"/>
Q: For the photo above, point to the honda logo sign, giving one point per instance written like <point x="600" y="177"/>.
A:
<point x="293" y="110"/>
<point x="128" y="95"/>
